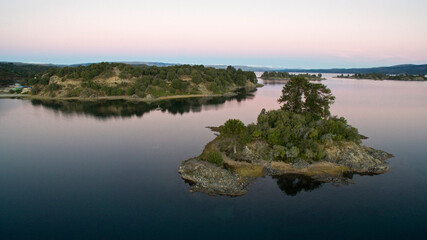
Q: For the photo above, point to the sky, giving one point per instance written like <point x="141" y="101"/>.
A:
<point x="276" y="33"/>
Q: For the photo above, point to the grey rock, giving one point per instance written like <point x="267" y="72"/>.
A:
<point x="212" y="179"/>
<point x="300" y="163"/>
<point x="360" y="159"/>
<point x="255" y="152"/>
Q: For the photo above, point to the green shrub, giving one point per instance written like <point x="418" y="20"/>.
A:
<point x="232" y="127"/>
<point x="214" y="88"/>
<point x="236" y="129"/>
<point x="157" y="92"/>
<point x="53" y="87"/>
<point x="179" y="84"/>
<point x="196" y="78"/>
<point x="130" y="91"/>
<point x="74" y="93"/>
<point x="140" y="93"/>
<point x="215" y="157"/>
<point x="90" y="84"/>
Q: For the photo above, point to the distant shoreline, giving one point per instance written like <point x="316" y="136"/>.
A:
<point x="369" y="79"/>
<point x="287" y="79"/>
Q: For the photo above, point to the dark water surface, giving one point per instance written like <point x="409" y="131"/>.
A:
<point x="71" y="170"/>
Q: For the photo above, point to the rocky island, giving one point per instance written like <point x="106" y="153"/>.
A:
<point x="287" y="76"/>
<point x="300" y="138"/>
<point x="133" y="82"/>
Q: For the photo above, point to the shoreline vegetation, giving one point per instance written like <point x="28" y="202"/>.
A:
<point x="118" y="81"/>
<point x="381" y="76"/>
<point x="288" y="76"/>
<point x="300" y="138"/>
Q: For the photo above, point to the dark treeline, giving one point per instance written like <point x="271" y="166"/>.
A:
<point x="143" y="80"/>
<point x="381" y="76"/>
<point x="398" y="69"/>
<point x="12" y="72"/>
<point x="286" y="76"/>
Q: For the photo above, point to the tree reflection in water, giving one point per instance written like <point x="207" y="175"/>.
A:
<point x="105" y="109"/>
<point x="292" y="184"/>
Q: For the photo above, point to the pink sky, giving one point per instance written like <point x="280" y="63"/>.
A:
<point x="330" y="33"/>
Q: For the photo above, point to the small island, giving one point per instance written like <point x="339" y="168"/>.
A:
<point x="381" y="76"/>
<point x="132" y="82"/>
<point x="300" y="138"/>
<point x="287" y="76"/>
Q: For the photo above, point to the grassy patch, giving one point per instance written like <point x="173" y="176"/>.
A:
<point x="248" y="171"/>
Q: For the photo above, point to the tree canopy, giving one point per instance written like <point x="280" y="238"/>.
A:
<point x="300" y="96"/>
<point x="301" y="129"/>
<point x="116" y="79"/>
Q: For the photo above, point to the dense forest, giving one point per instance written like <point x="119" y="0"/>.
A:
<point x="381" y="76"/>
<point x="119" y="79"/>
<point x="300" y="129"/>
<point x="14" y="72"/>
<point x="287" y="76"/>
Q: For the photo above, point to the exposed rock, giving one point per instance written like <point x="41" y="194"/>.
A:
<point x="212" y="179"/>
<point x="149" y="98"/>
<point x="255" y="151"/>
<point x="55" y="79"/>
<point x="255" y="159"/>
<point x="360" y="159"/>
<point x="300" y="163"/>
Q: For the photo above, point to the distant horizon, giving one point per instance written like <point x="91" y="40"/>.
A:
<point x="303" y="65"/>
<point x="220" y="64"/>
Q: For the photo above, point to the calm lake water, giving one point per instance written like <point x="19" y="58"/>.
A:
<point x="71" y="170"/>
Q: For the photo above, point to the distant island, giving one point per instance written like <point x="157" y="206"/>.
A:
<point x="287" y="76"/>
<point x="300" y="138"/>
<point x="381" y="76"/>
<point x="397" y="69"/>
<point x="123" y="81"/>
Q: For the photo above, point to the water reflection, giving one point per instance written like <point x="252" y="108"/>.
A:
<point x="125" y="109"/>
<point x="273" y="82"/>
<point x="292" y="184"/>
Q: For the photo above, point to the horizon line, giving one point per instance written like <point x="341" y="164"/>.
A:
<point x="234" y="65"/>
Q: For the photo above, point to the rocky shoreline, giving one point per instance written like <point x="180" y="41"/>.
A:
<point x="241" y="168"/>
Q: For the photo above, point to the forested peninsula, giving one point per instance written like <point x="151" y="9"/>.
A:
<point x="137" y="82"/>
<point x="287" y="76"/>
<point x="381" y="76"/>
<point x="300" y="138"/>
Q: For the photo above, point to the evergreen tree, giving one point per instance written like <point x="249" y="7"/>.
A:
<point x="292" y="94"/>
<point x="299" y="96"/>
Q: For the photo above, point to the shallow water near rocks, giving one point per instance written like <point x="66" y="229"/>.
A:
<point x="86" y="170"/>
